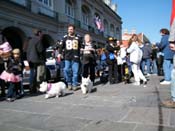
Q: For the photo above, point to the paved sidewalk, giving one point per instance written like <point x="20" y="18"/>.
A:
<point x="116" y="107"/>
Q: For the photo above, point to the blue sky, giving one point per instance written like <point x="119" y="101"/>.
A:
<point x="147" y="16"/>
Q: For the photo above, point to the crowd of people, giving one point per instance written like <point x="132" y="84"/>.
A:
<point x="81" y="58"/>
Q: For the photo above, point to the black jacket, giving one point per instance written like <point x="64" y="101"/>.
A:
<point x="90" y="57"/>
<point x="147" y="51"/>
<point x="14" y="66"/>
<point x="71" y="47"/>
<point x="36" y="53"/>
<point x="111" y="50"/>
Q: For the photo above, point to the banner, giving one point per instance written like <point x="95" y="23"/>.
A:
<point x="172" y="23"/>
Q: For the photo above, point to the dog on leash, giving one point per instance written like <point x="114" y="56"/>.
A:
<point x="86" y="85"/>
<point x="53" y="89"/>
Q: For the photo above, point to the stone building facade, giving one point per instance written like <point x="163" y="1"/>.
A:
<point x="18" y="18"/>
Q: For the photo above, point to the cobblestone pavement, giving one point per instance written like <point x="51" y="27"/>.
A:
<point x="119" y="107"/>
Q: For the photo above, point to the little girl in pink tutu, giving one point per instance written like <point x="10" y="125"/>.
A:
<point x="12" y="73"/>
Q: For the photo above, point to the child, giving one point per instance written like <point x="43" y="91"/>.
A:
<point x="2" y="82"/>
<point x="11" y="74"/>
<point x="5" y="54"/>
<point x="17" y="69"/>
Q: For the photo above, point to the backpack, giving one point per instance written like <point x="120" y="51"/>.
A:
<point x="111" y="56"/>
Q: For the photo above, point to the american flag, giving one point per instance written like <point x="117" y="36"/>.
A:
<point x="99" y="24"/>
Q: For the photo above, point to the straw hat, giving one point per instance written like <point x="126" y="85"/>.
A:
<point x="16" y="51"/>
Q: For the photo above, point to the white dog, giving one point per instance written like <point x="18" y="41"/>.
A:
<point x="86" y="85"/>
<point x="53" y="89"/>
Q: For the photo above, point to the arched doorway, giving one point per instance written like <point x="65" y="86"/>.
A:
<point x="15" y="36"/>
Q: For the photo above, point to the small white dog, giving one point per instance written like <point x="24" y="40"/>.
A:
<point x="53" y="89"/>
<point x="86" y="85"/>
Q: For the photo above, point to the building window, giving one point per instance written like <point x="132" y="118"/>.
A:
<point x="69" y="8"/>
<point x="46" y="7"/>
<point x="85" y="19"/>
<point x="117" y="29"/>
<point x="85" y="14"/>
<point x="112" y="30"/>
<point x="106" y="28"/>
<point x="48" y="3"/>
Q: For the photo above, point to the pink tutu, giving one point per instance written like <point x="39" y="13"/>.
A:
<point x="10" y="77"/>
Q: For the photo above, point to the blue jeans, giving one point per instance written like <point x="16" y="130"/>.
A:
<point x="167" y="68"/>
<point x="31" y="76"/>
<point x="61" y="67"/>
<point x="71" y="72"/>
<point x="146" y="62"/>
<point x="154" y="64"/>
<point x="11" y="90"/>
<point x="21" y="88"/>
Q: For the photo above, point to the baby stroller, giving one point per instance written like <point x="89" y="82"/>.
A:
<point x="126" y="74"/>
<point x="127" y="71"/>
<point x="104" y="73"/>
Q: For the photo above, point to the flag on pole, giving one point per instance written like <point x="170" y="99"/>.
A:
<point x="99" y="24"/>
<point x="172" y="23"/>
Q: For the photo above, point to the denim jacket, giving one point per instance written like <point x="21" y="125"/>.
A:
<point x="164" y="47"/>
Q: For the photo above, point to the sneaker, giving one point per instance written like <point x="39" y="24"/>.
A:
<point x="168" y="104"/>
<point x="69" y="87"/>
<point x="161" y="80"/>
<point x="148" y="74"/>
<point x="165" y="83"/>
<point x="75" y="88"/>
<point x="136" y="83"/>
<point x="144" y="83"/>
<point x="10" y="99"/>
<point x="19" y="96"/>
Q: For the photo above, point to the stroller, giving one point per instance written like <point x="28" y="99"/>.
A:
<point x="127" y="71"/>
<point x="126" y="77"/>
<point x="104" y="73"/>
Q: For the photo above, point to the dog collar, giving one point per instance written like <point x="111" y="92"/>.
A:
<point x="49" y="86"/>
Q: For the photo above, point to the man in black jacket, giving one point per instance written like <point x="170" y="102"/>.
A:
<point x="36" y="57"/>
